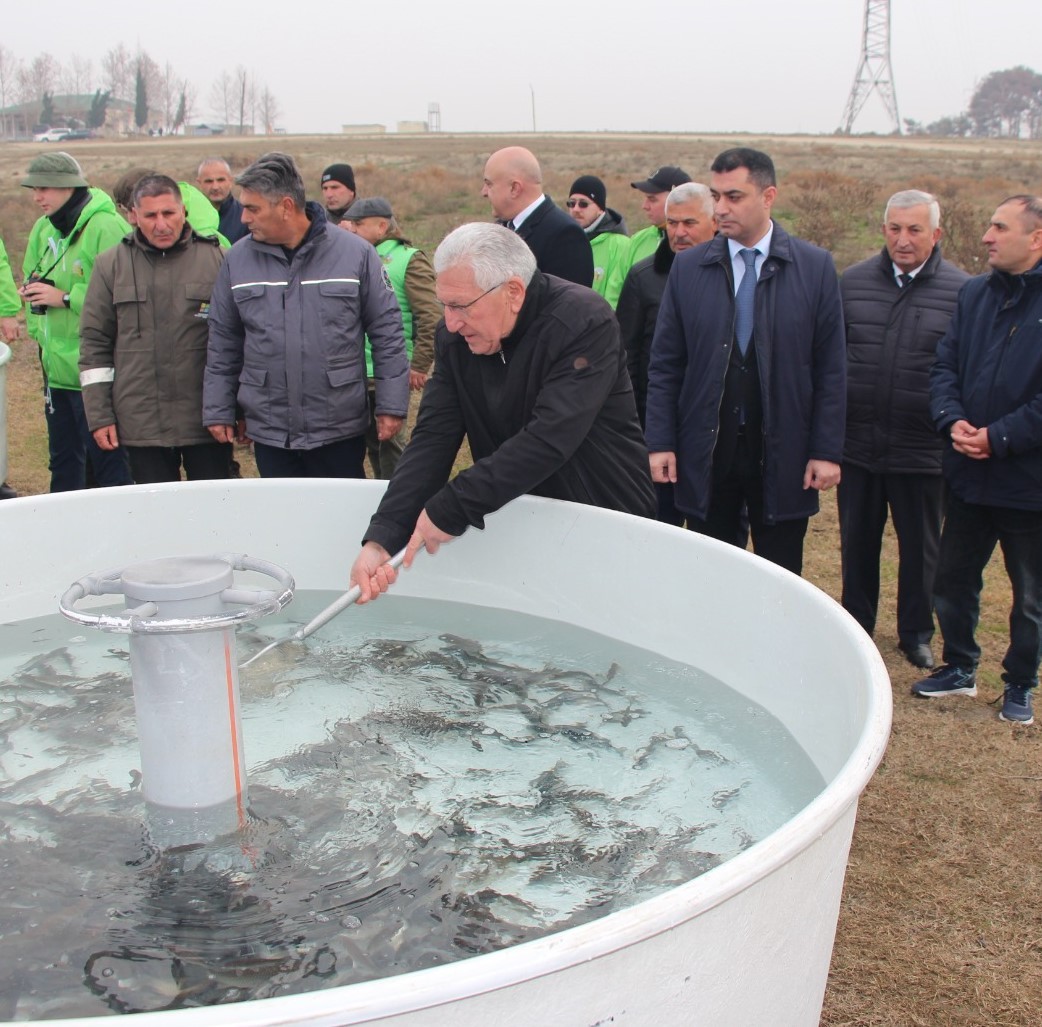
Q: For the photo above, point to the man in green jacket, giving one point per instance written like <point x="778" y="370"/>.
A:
<point x="587" y="203"/>
<point x="77" y="224"/>
<point x="656" y="189"/>
<point x="412" y="276"/>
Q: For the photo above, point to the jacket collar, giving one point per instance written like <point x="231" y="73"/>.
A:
<point x="715" y="251"/>
<point x="663" y="258"/>
<point x="886" y="265"/>
<point x="1014" y="285"/>
<point x="529" y="308"/>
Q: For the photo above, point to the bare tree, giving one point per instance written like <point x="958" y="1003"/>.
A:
<point x="223" y="98"/>
<point x="37" y="78"/>
<point x="9" y="68"/>
<point x="77" y="76"/>
<point x="169" y="95"/>
<point x="269" y="109"/>
<point x="119" y="69"/>
<point x="245" y="98"/>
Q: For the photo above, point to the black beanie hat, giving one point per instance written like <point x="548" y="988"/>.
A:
<point x="342" y="173"/>
<point x="592" y="186"/>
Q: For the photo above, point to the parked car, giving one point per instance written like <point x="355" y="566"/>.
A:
<point x="76" y="133"/>
<point x="51" y="135"/>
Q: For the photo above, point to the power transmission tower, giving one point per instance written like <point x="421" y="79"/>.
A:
<point x="873" y="70"/>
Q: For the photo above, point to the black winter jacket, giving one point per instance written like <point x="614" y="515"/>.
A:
<point x="892" y="336"/>
<point x="989" y="372"/>
<point x="637" y="310"/>
<point x="551" y="415"/>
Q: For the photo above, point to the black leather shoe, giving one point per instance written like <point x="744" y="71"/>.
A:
<point x="6" y="492"/>
<point x="918" y="655"/>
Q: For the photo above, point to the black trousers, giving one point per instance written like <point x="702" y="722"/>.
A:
<point x="343" y="459"/>
<point x="206" y="461"/>
<point x="970" y="535"/>
<point x="738" y="487"/>
<point x="915" y="503"/>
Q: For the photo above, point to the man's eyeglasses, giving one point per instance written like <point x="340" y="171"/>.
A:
<point x="581" y="204"/>
<point x="461" y="309"/>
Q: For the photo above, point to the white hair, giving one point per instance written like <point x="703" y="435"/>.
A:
<point x="915" y="198"/>
<point x="687" y="192"/>
<point x="492" y="252"/>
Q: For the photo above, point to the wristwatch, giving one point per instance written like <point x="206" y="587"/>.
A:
<point x="67" y="300"/>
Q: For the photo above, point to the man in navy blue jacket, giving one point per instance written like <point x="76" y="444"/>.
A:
<point x="986" y="398"/>
<point x="746" y="395"/>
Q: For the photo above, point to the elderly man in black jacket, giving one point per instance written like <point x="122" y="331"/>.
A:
<point x="513" y="185"/>
<point x="896" y="306"/>
<point x="531" y="371"/>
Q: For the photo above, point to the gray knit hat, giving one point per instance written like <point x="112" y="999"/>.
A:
<point x="54" y="170"/>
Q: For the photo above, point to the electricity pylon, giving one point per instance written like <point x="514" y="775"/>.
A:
<point x="873" y="70"/>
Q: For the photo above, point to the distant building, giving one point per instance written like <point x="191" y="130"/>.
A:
<point x="212" y="129"/>
<point x="413" y="127"/>
<point x="363" y="130"/>
<point x="71" y="109"/>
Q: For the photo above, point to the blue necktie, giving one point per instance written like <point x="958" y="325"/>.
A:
<point x="743" y="301"/>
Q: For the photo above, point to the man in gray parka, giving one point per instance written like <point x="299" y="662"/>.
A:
<point x="289" y="317"/>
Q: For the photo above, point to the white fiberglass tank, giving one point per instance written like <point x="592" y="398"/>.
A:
<point x="747" y="942"/>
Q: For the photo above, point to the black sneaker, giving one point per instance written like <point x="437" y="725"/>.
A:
<point x="6" y="492"/>
<point x="946" y="680"/>
<point x="1016" y="706"/>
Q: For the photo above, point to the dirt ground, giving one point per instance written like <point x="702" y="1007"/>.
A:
<point x="941" y="922"/>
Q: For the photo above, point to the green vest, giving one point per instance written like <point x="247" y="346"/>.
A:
<point x="395" y="257"/>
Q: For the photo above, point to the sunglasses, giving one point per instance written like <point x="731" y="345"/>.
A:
<point x="581" y="204"/>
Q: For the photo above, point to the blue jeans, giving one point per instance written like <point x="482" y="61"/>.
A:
<point x="71" y="443"/>
<point x="967" y="542"/>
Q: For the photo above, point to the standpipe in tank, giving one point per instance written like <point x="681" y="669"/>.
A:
<point x="181" y="617"/>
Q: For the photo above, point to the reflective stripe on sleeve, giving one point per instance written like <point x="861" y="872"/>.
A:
<point x="96" y="376"/>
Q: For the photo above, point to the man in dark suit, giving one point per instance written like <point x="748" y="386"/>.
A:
<point x="513" y="185"/>
<point x="746" y="398"/>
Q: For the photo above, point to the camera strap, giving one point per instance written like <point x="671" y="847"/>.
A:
<point x="77" y="232"/>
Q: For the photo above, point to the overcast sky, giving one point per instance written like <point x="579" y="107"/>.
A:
<point x="751" y="65"/>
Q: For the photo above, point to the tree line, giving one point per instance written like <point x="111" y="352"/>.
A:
<point x="1006" y="104"/>
<point x="161" y="98"/>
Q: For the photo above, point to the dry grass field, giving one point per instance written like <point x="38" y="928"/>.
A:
<point x="942" y="917"/>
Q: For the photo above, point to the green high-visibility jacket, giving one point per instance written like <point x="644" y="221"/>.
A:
<point x="68" y="263"/>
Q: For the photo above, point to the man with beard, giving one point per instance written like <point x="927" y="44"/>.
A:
<point x="606" y="229"/>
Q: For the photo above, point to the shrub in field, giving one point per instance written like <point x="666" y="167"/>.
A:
<point x="832" y="210"/>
